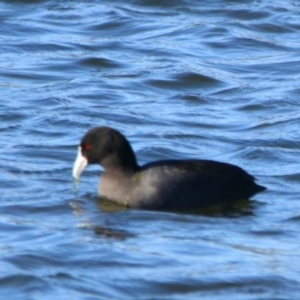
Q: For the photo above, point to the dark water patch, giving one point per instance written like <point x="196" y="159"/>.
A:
<point x="140" y="11"/>
<point x="23" y="283"/>
<point x="246" y="15"/>
<point x="108" y="45"/>
<point x="273" y="106"/>
<point x="159" y="4"/>
<point x="25" y="2"/>
<point x="252" y="107"/>
<point x="22" y="31"/>
<point x="120" y="26"/>
<point x="185" y="81"/>
<point x="29" y="75"/>
<point x="293" y="178"/>
<point x="276" y="121"/>
<point x="113" y="24"/>
<point x="99" y="63"/>
<point x="191" y="80"/>
<point x="272" y="28"/>
<point x="12" y="116"/>
<point x="33" y="47"/>
<point x="177" y="287"/>
<point x="192" y="99"/>
<point x="214" y="33"/>
<point x="33" y="261"/>
<point x="111" y="233"/>
<point x="294" y="26"/>
<point x="268" y="233"/>
<point x="295" y="218"/>
<point x="247" y="44"/>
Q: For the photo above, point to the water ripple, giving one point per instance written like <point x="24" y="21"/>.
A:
<point x="180" y="79"/>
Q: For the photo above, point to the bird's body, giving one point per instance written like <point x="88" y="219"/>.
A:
<point x="160" y="185"/>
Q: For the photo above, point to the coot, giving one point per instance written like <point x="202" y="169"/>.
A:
<point x="160" y="185"/>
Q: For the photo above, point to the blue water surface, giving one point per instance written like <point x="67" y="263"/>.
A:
<point x="214" y="80"/>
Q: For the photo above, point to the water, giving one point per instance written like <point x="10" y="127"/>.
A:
<point x="180" y="79"/>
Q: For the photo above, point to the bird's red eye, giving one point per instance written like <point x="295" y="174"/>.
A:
<point x="87" y="146"/>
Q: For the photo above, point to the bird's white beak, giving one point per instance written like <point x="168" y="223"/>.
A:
<point x="79" y="165"/>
